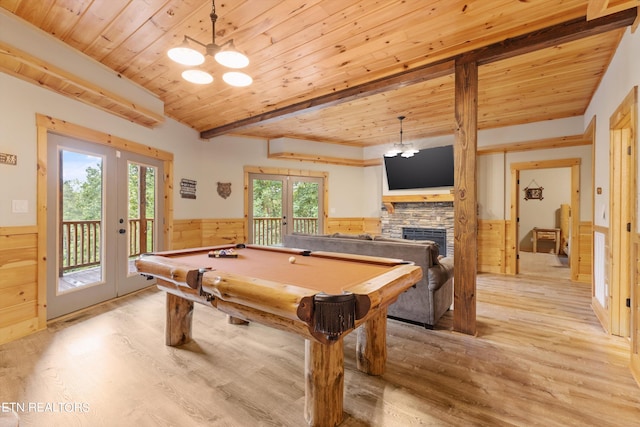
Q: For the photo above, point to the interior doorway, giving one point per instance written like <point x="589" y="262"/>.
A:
<point x="518" y="185"/>
<point x="544" y="222"/>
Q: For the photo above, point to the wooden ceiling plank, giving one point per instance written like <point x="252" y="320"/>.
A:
<point x="128" y="22"/>
<point x="596" y="8"/>
<point x="63" y="16"/>
<point x="10" y="5"/>
<point x="551" y="36"/>
<point x="564" y="33"/>
<point x="150" y="43"/>
<point x="499" y="87"/>
<point x="599" y="8"/>
<point x="404" y="79"/>
<point x="34" y="11"/>
<point x="295" y="86"/>
<point x="94" y="22"/>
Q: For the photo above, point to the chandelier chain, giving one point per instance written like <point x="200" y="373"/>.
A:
<point x="214" y="18"/>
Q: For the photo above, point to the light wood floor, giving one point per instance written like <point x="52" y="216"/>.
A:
<point x="540" y="358"/>
<point x="544" y="265"/>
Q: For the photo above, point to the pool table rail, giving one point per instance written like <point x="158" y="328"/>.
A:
<point x="272" y="303"/>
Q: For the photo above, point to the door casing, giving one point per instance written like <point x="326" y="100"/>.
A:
<point x="46" y="124"/>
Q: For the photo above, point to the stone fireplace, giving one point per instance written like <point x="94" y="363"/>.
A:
<point x="423" y="216"/>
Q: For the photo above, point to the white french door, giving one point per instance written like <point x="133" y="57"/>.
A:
<point x="282" y="204"/>
<point x="103" y="209"/>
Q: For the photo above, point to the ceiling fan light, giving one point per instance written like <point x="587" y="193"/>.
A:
<point x="236" y="78"/>
<point x="407" y="154"/>
<point x="231" y="58"/>
<point x="197" y="76"/>
<point x="185" y="55"/>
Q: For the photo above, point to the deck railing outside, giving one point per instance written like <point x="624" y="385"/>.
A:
<point x="268" y="230"/>
<point x="81" y="242"/>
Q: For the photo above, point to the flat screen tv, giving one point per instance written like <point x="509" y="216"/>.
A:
<point x="431" y="167"/>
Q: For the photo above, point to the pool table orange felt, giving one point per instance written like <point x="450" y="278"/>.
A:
<point x="319" y="273"/>
<point x="262" y="286"/>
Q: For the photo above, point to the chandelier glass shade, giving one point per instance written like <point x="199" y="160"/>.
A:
<point x="405" y="150"/>
<point x="226" y="55"/>
<point x="197" y="76"/>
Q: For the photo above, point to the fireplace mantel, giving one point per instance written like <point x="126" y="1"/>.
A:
<point x="389" y="201"/>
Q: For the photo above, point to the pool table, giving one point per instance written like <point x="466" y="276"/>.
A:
<point x="321" y="296"/>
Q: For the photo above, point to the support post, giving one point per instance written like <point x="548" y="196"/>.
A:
<point x="465" y="245"/>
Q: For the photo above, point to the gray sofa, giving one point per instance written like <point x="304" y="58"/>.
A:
<point x="426" y="302"/>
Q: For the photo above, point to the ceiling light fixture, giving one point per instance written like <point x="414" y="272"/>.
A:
<point x="404" y="149"/>
<point x="225" y="54"/>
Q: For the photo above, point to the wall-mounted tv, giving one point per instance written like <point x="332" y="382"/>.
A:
<point x="431" y="167"/>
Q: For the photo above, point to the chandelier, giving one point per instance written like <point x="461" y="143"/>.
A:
<point x="225" y="54"/>
<point x="404" y="149"/>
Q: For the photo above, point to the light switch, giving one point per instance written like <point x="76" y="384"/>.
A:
<point x="20" y="206"/>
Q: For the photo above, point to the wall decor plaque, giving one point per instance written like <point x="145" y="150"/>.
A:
<point x="224" y="189"/>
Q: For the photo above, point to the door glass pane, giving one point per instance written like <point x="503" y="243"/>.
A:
<point x="305" y="207"/>
<point x="267" y="211"/>
<point x="141" y="212"/>
<point x="81" y="210"/>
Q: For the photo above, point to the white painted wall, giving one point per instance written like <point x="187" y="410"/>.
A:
<point x="19" y="103"/>
<point x="207" y="162"/>
<point x="545" y="212"/>
<point x="621" y="76"/>
<point x="223" y="161"/>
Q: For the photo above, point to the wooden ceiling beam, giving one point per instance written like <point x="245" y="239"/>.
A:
<point x="548" y="37"/>
<point x="535" y="40"/>
<point x="396" y="81"/>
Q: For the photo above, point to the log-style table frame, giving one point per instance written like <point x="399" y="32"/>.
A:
<point x="324" y="358"/>
<point x="552" y="234"/>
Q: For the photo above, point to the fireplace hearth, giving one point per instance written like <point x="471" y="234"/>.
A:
<point x="430" y="215"/>
<point x="438" y="235"/>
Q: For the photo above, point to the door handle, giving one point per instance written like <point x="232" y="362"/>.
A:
<point x="122" y="231"/>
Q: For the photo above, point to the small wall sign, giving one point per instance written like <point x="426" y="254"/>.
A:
<point x="188" y="188"/>
<point x="9" y="159"/>
<point x="533" y="193"/>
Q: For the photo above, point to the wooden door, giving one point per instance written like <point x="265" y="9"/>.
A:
<point x="622" y="214"/>
<point x="283" y="204"/>
<point x="91" y="252"/>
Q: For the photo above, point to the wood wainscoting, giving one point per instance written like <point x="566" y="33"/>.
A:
<point x="193" y="233"/>
<point x="492" y="246"/>
<point x="494" y="240"/>
<point x="353" y="225"/>
<point x="585" y="252"/>
<point x="19" y="291"/>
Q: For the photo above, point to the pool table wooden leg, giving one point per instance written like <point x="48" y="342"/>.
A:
<point x="371" y="346"/>
<point x="179" y="319"/>
<point x="324" y="383"/>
